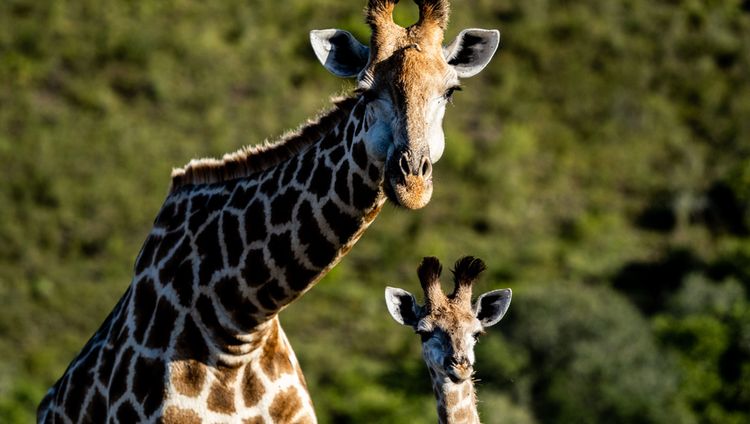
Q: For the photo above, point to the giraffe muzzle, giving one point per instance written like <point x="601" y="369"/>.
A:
<point x="460" y="373"/>
<point x="408" y="179"/>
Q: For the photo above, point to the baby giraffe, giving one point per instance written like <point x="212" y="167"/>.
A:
<point x="449" y="327"/>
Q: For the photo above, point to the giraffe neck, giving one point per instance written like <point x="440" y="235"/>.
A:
<point x="456" y="402"/>
<point x="266" y="385"/>
<point x="197" y="332"/>
<point x="238" y="251"/>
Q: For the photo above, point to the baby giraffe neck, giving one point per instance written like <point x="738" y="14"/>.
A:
<point x="456" y="402"/>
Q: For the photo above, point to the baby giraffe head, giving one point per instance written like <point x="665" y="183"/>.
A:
<point x="449" y="325"/>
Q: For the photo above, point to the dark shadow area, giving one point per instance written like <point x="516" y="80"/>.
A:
<point x="724" y="213"/>
<point x="720" y="210"/>
<point x="730" y="368"/>
<point x="730" y="267"/>
<point x="659" y="217"/>
<point x="650" y="284"/>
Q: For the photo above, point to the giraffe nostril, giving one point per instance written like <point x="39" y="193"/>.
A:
<point x="454" y="362"/>
<point x="421" y="168"/>
<point x="449" y="363"/>
<point x="425" y="171"/>
<point x="403" y="163"/>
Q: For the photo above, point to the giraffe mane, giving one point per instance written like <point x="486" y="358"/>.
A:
<point x="256" y="158"/>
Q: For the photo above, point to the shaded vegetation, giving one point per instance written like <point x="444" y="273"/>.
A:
<point x="600" y="165"/>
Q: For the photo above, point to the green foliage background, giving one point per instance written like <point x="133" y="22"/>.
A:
<point x="600" y="165"/>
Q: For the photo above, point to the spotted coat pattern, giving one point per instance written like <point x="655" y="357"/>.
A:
<point x="456" y="402"/>
<point x="196" y="337"/>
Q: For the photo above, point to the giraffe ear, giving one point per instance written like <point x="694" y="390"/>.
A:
<point x="490" y="307"/>
<point x="472" y="50"/>
<point x="339" y="52"/>
<point x="402" y="306"/>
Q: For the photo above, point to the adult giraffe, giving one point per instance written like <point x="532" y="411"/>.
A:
<point x="196" y="337"/>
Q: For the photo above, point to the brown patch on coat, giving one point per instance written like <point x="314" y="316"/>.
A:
<point x="175" y="415"/>
<point x="221" y="397"/>
<point x="252" y="388"/>
<point x="285" y="406"/>
<point x="451" y="398"/>
<point x="461" y="415"/>
<point x="275" y="357"/>
<point x="187" y="377"/>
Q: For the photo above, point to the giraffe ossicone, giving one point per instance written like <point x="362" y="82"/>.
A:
<point x="449" y="326"/>
<point x="196" y="337"/>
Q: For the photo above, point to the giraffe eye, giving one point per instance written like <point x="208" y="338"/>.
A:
<point x="449" y="92"/>
<point x="476" y="335"/>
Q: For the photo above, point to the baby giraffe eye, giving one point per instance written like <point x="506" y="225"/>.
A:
<point x="476" y="335"/>
<point x="449" y="92"/>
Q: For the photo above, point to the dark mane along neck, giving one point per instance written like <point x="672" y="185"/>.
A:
<point x="251" y="159"/>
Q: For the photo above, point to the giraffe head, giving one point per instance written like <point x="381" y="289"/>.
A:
<point x="449" y="325"/>
<point x="407" y="77"/>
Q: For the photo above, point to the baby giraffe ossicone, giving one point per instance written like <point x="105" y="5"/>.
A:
<point x="449" y="326"/>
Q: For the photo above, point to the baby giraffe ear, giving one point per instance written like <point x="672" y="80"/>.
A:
<point x="491" y="306"/>
<point x="402" y="306"/>
<point x="339" y="52"/>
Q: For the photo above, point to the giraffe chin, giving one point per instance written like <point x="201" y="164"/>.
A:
<point x="411" y="193"/>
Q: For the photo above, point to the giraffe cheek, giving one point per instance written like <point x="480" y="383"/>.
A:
<point x="436" y="136"/>
<point x="433" y="356"/>
<point x="437" y="145"/>
<point x="379" y="141"/>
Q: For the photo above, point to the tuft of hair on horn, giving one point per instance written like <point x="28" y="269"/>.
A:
<point x="429" y="272"/>
<point x="380" y="11"/>
<point x="434" y="12"/>
<point x="429" y="278"/>
<point x="466" y="270"/>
